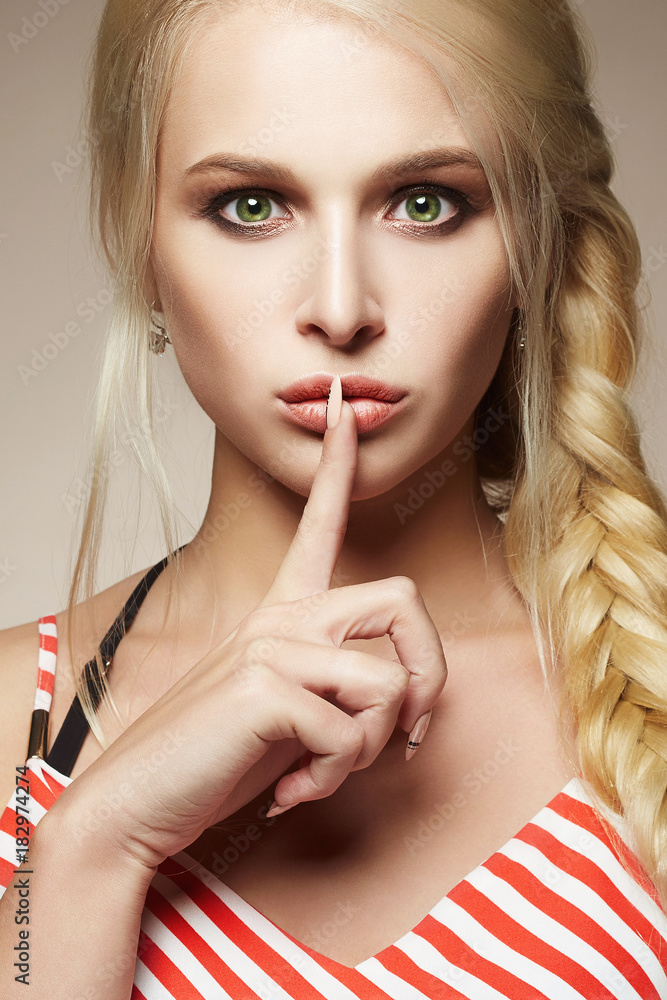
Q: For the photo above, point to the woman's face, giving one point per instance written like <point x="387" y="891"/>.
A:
<point x="311" y="256"/>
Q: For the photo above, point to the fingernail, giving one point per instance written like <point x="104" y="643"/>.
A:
<point x="276" y="809"/>
<point x="334" y="402"/>
<point x="417" y="735"/>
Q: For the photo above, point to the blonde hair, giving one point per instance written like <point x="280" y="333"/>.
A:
<point x="585" y="526"/>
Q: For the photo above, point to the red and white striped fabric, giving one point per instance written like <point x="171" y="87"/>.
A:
<point x="46" y="672"/>
<point x="559" y="912"/>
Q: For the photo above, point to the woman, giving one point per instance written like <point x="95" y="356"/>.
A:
<point x="401" y="213"/>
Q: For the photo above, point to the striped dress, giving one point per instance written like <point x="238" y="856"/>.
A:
<point x="561" y="911"/>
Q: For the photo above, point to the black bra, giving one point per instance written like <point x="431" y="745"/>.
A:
<point x="68" y="742"/>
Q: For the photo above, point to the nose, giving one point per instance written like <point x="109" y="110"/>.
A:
<point x="338" y="302"/>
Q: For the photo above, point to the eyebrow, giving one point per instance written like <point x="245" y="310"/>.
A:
<point x="443" y="157"/>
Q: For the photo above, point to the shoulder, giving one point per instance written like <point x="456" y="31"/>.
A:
<point x="19" y="653"/>
<point x="19" y="648"/>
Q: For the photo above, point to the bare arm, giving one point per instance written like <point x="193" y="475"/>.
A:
<point x="84" y="906"/>
<point x="239" y="717"/>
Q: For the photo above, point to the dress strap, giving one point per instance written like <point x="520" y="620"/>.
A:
<point x="69" y="740"/>
<point x="48" y="652"/>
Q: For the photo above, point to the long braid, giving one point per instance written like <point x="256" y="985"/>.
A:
<point x="604" y="575"/>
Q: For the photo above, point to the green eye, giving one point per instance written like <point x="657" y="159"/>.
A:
<point x="253" y="207"/>
<point x="423" y="203"/>
<point x="423" y="207"/>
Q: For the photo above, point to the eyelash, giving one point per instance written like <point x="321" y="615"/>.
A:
<point x="213" y="205"/>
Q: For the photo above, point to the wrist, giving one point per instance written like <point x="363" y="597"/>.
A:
<point x="66" y="836"/>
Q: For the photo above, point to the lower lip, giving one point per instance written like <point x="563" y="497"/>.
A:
<point x="371" y="413"/>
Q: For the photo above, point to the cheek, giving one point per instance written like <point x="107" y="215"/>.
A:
<point x="464" y="323"/>
<point x="449" y="317"/>
<point x="218" y="308"/>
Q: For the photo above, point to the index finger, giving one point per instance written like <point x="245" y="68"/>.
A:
<point x="311" y="559"/>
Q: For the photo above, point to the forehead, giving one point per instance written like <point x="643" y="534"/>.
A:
<point x="326" y="92"/>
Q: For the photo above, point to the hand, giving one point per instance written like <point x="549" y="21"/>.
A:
<point x="277" y="685"/>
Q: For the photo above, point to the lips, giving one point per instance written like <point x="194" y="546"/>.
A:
<point x="360" y="386"/>
<point x="374" y="402"/>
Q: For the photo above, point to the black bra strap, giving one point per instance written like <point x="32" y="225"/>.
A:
<point x="69" y="740"/>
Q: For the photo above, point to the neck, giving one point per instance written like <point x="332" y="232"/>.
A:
<point x="435" y="527"/>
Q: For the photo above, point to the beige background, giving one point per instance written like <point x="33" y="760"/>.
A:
<point x="53" y="295"/>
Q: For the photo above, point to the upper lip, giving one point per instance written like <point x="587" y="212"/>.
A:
<point x="318" y="385"/>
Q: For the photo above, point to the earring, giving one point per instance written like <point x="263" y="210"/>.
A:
<point x="158" y="335"/>
<point x="517" y="325"/>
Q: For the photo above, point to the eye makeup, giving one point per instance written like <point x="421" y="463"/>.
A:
<point x="435" y="194"/>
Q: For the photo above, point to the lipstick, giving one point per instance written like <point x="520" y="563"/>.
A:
<point x="374" y="402"/>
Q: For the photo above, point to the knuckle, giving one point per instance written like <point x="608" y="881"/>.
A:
<point x="251" y="672"/>
<point x="252" y="679"/>
<point x="394" y="690"/>
<point x="253" y="667"/>
<point x="398" y="682"/>
<point x="258" y="622"/>
<point x="260" y="648"/>
<point x="404" y="588"/>
<point x="353" y="736"/>
<point x="434" y="655"/>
